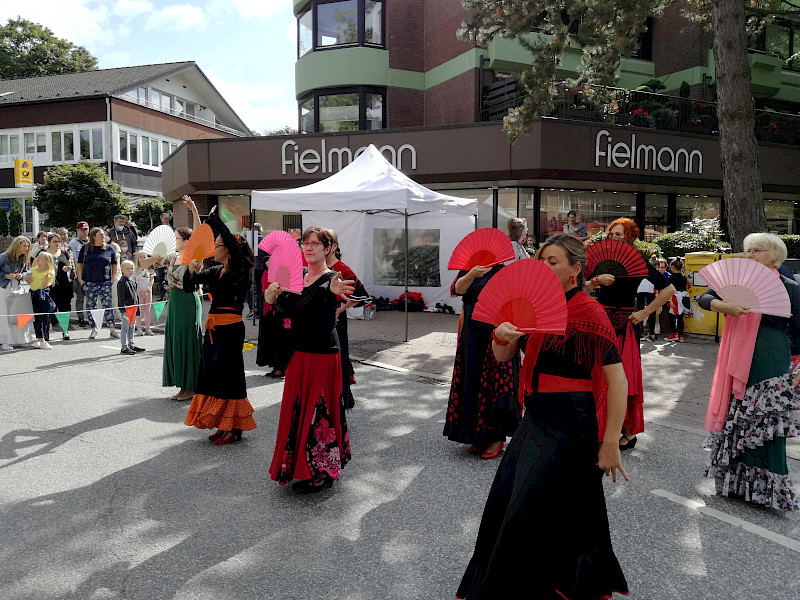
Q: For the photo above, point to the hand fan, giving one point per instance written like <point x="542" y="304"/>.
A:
<point x="286" y="267"/>
<point x="748" y="283"/>
<point x="272" y="240"/>
<point x="161" y="238"/>
<point x="616" y="258"/>
<point x="200" y="246"/>
<point x="486" y="247"/>
<point x="526" y="293"/>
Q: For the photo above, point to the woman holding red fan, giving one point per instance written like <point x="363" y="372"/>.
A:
<point x="753" y="408"/>
<point x="483" y="408"/>
<point x="544" y="531"/>
<point x="220" y="396"/>
<point x="618" y="297"/>
<point x="312" y="444"/>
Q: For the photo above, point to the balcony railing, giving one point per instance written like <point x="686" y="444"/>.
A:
<point x="646" y="110"/>
<point x="183" y="115"/>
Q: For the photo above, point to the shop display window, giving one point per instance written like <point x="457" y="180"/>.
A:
<point x="388" y="257"/>
<point x="697" y="207"/>
<point x="780" y="215"/>
<point x="596" y="209"/>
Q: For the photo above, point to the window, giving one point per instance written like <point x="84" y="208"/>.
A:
<point x="190" y="108"/>
<point x="388" y="257"/>
<point x="97" y="144"/>
<point x="336" y="23"/>
<point x="179" y="106"/>
<point x="172" y="148"/>
<point x="697" y="207"/>
<point x="347" y="109"/>
<point x="780" y="216"/>
<point x="166" y="102"/>
<point x="155" y="98"/>
<point x="145" y="150"/>
<point x="133" y="147"/>
<point x="123" y="145"/>
<point x="85" y="144"/>
<point x="164" y="150"/>
<point x="69" y="145"/>
<point x="154" y="153"/>
<point x="41" y="142"/>
<point x="63" y="146"/>
<point x="655" y="216"/>
<point x="57" y="152"/>
<point x="4" y="147"/>
<point x="596" y="209"/>
<point x="30" y="143"/>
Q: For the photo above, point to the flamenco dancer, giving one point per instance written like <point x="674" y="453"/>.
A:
<point x="483" y="407"/>
<point x="748" y="440"/>
<point x="312" y="443"/>
<point x="359" y="296"/>
<point x="220" y="396"/>
<point x="618" y="297"/>
<point x="274" y="349"/>
<point x="544" y="531"/>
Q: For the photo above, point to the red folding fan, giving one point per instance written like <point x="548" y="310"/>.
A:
<point x="526" y="293"/>
<point x="274" y="239"/>
<point x="286" y="267"/>
<point x="200" y="245"/>
<point x="750" y="284"/>
<point x="486" y="247"/>
<point x="616" y="258"/>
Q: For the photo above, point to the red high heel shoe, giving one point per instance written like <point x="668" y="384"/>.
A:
<point x="215" y="436"/>
<point x="493" y="454"/>
<point x="237" y="435"/>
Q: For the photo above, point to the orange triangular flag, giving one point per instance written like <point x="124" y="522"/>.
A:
<point x="131" y="310"/>
<point x="22" y="320"/>
<point x="210" y="299"/>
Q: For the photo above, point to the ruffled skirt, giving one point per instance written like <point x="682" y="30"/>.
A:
<point x="748" y="457"/>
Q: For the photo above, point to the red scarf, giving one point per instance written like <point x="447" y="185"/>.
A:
<point x="594" y="335"/>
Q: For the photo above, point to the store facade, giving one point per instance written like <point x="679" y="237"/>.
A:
<point x="660" y="179"/>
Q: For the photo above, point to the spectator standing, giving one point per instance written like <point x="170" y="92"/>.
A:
<point x="124" y="236"/>
<point x="96" y="270"/>
<point x="574" y="228"/>
<point x="40" y="245"/>
<point x="645" y="294"/>
<point x="61" y="288"/>
<point x="517" y="233"/>
<point x="676" y="307"/>
<point x="41" y="276"/>
<point x="13" y="267"/>
<point x="256" y="304"/>
<point x="128" y="296"/>
<point x="76" y="244"/>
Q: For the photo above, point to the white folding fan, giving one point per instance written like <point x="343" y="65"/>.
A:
<point x="160" y="242"/>
<point x="750" y="284"/>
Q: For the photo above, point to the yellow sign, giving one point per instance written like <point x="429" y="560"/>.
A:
<point x="23" y="173"/>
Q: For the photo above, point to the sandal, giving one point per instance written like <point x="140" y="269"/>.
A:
<point x="277" y="374"/>
<point x="630" y="444"/>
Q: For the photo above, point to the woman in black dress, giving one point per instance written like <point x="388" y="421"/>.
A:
<point x="544" y="531"/>
<point x="312" y="443"/>
<point x="274" y="349"/>
<point x="483" y="408"/>
<point x="220" y="396"/>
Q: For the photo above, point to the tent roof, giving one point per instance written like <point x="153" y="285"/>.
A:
<point x="370" y="182"/>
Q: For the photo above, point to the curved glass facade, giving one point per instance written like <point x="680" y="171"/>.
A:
<point x="326" y="24"/>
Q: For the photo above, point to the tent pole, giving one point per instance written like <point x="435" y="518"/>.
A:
<point x="406" y="261"/>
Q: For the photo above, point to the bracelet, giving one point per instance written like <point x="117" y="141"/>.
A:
<point x="498" y="341"/>
<point x="594" y="281"/>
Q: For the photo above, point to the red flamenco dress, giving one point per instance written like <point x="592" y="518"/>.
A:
<point x="544" y="531"/>
<point x="220" y="396"/>
<point x="312" y="440"/>
<point x="619" y="301"/>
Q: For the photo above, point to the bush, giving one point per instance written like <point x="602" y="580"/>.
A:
<point x="684" y="90"/>
<point x="698" y="235"/>
<point x="647" y="249"/>
<point x="792" y="244"/>
<point x="3" y="222"/>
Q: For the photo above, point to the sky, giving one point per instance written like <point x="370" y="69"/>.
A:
<point x="247" y="48"/>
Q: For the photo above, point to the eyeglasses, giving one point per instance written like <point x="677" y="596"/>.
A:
<point x="754" y="251"/>
<point x="313" y="244"/>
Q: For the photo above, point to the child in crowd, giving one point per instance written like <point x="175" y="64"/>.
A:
<point x="41" y="277"/>
<point x="126" y="293"/>
<point x="677" y="307"/>
<point x="144" y="285"/>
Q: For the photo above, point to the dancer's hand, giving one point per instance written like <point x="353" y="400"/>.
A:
<point x="342" y="287"/>
<point x="507" y="332"/>
<point x="478" y="271"/>
<point x="609" y="460"/>
<point x="604" y="279"/>
<point x="638" y="317"/>
<point x="195" y="266"/>
<point x="272" y="292"/>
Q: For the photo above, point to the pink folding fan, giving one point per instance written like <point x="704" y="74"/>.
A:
<point x="750" y="284"/>
<point x="286" y="267"/>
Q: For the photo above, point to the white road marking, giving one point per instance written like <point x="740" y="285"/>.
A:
<point x="784" y="541"/>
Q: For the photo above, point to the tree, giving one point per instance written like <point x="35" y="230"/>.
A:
<point x="3" y="222"/>
<point x="81" y="192"/>
<point x="15" y="221"/>
<point x="147" y="213"/>
<point x="28" y="49"/>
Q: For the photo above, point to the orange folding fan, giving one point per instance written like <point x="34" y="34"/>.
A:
<point x="526" y="293"/>
<point x="485" y="247"/>
<point x="750" y="284"/>
<point x="200" y="245"/>
<point x="615" y="257"/>
<point x="286" y="267"/>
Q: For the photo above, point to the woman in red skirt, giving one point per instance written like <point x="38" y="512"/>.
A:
<point x="312" y="444"/>
<point x="618" y="297"/>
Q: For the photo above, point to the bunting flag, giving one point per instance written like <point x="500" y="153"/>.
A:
<point x="97" y="315"/>
<point x="247" y="346"/>
<point x="22" y="320"/>
<point x="131" y="310"/>
<point x="63" y="320"/>
<point x="210" y="299"/>
<point x="159" y="307"/>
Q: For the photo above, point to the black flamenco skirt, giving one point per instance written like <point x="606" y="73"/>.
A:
<point x="274" y="346"/>
<point x="544" y="531"/>
<point x="483" y="406"/>
<point x="347" y="367"/>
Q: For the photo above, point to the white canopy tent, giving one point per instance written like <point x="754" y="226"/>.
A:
<point x="383" y="197"/>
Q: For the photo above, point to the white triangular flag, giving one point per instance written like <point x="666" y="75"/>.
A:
<point x="97" y="315"/>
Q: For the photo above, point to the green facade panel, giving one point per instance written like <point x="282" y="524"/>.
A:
<point x="341" y="67"/>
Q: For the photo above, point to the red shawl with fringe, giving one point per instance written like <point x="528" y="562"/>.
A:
<point x="594" y="335"/>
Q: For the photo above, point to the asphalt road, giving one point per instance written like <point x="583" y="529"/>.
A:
<point x="107" y="495"/>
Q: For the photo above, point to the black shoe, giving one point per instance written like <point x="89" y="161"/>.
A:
<point x="306" y="486"/>
<point x="65" y="336"/>
<point x="127" y="351"/>
<point x="82" y="323"/>
<point x="630" y="444"/>
<point x="137" y="349"/>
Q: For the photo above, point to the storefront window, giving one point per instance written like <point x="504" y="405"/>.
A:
<point x="337" y="23"/>
<point x="342" y="109"/>
<point x="388" y="258"/>
<point x="596" y="209"/>
<point x="697" y="207"/>
<point x="655" y="216"/>
<point x="338" y="112"/>
<point x="780" y="216"/>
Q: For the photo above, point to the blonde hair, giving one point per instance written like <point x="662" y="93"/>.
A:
<point x="126" y="263"/>
<point x="14" y="251"/>
<point x="48" y="258"/>
<point x="771" y="243"/>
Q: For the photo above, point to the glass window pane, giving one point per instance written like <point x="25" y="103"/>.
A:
<point x="57" y="153"/>
<point x="123" y="145"/>
<point x="4" y="145"/>
<point x="595" y="209"/>
<point x="85" y="144"/>
<point x="305" y="38"/>
<point x="697" y="207"/>
<point x="166" y="102"/>
<point x="337" y="23"/>
<point x="97" y="143"/>
<point x="780" y="216"/>
<point x="164" y="150"/>
<point x="172" y="148"/>
<point x="142" y="93"/>
<point x="133" y="148"/>
<point x="145" y="150"/>
<point x="338" y="112"/>
<point x="388" y="257"/>
<point x="655" y="216"/>
<point x="154" y="153"/>
<point x="69" y="145"/>
<point x="41" y="142"/>
<point x="30" y="143"/>
<point x="190" y="108"/>
<point x="307" y="116"/>
<point x="179" y="106"/>
<point x="374" y="111"/>
<point x="373" y="22"/>
<point x="155" y="98"/>
<point x="13" y="144"/>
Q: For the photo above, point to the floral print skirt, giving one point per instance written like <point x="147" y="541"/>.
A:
<point x="312" y="440"/>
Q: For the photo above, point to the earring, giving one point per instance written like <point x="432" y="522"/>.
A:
<point x="572" y="280"/>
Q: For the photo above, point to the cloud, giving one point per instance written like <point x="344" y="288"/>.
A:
<point x="260" y="9"/>
<point x="82" y="22"/>
<point x="115" y="59"/>
<point x="127" y="9"/>
<point x="177" y="16"/>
